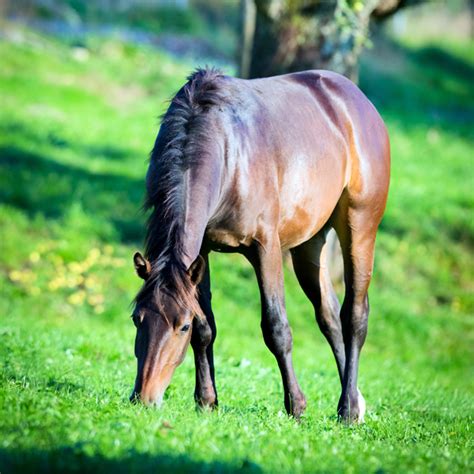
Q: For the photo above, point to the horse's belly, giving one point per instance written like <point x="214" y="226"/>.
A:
<point x="303" y="223"/>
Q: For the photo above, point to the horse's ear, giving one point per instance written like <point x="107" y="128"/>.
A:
<point x="142" y="265"/>
<point x="196" y="270"/>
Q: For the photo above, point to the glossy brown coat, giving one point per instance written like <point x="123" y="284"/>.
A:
<point x="270" y="165"/>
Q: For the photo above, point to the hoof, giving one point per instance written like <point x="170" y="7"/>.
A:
<point x="206" y="403"/>
<point x="206" y="408"/>
<point x="352" y="410"/>
<point x="295" y="406"/>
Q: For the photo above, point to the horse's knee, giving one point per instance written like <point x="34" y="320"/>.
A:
<point x="203" y="335"/>
<point x="329" y="324"/>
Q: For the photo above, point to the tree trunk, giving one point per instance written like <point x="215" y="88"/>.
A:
<point x="249" y="14"/>
<point x="294" y="35"/>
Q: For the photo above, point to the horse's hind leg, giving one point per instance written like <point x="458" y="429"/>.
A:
<point x="267" y="262"/>
<point x="356" y="228"/>
<point x="310" y="265"/>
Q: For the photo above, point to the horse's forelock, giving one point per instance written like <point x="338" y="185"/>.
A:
<point x="174" y="281"/>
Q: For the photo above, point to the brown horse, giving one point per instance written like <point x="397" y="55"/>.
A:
<point x="257" y="167"/>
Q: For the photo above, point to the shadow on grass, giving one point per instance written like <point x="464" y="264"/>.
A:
<point x="449" y="64"/>
<point x="37" y="185"/>
<point x="423" y="86"/>
<point x="74" y="459"/>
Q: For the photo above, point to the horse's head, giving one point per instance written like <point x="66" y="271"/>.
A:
<point x="164" y="327"/>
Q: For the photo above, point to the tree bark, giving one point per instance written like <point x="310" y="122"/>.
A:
<point x="294" y="35"/>
<point x="249" y="14"/>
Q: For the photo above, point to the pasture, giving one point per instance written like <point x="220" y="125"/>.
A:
<point x="76" y="126"/>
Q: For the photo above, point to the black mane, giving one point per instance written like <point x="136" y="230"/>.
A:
<point x="180" y="144"/>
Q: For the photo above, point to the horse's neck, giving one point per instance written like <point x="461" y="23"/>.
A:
<point x="202" y="187"/>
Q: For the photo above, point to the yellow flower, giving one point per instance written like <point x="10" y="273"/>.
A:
<point x="90" y="282"/>
<point x="95" y="300"/>
<point x="92" y="258"/>
<point x="15" y="275"/>
<point x="27" y="276"/>
<point x="60" y="269"/>
<point x="35" y="257"/>
<point x="43" y="247"/>
<point x="75" y="267"/>
<point x="53" y="285"/>
<point x="56" y="259"/>
<point x="58" y="282"/>
<point x="108" y="250"/>
<point x="94" y="254"/>
<point x="77" y="298"/>
<point x="80" y="280"/>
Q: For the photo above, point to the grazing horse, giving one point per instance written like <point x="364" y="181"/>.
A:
<point x="259" y="167"/>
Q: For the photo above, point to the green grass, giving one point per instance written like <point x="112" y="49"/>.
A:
<point x="74" y="136"/>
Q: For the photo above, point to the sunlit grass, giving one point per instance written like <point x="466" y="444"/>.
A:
<point x="75" y="131"/>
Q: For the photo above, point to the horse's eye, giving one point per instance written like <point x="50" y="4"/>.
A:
<point x="185" y="328"/>
<point x="136" y="320"/>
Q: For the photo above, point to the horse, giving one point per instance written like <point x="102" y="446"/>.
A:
<point x="259" y="167"/>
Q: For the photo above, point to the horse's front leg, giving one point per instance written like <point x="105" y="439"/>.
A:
<point x="267" y="262"/>
<point x="202" y="340"/>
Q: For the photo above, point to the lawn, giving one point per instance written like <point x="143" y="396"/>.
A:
<point x="76" y="126"/>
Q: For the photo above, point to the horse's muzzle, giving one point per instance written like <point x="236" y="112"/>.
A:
<point x="147" y="400"/>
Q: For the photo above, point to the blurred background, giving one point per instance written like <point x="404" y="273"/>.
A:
<point x="82" y="84"/>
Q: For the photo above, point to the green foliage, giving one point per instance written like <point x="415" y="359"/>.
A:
<point x="212" y="23"/>
<point x="76" y="125"/>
